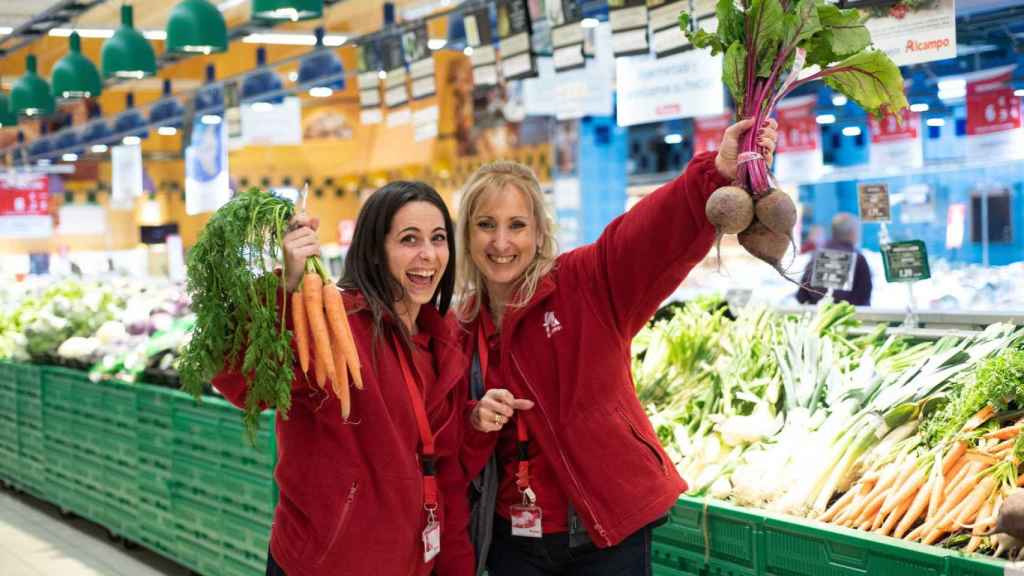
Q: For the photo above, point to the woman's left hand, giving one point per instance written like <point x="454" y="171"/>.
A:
<point x="729" y="151"/>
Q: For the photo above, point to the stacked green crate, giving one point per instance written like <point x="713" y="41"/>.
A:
<point x="8" y="422"/>
<point x="116" y="421"/>
<point x="63" y="475"/>
<point x="155" y="439"/>
<point x="31" y="473"/>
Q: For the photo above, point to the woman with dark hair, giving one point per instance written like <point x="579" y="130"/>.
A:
<point x="370" y="495"/>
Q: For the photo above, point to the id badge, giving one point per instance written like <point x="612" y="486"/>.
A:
<point x="526" y="521"/>
<point x="431" y="541"/>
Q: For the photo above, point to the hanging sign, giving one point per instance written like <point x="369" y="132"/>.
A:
<point x="420" y="60"/>
<point x="833" y="269"/>
<point x="913" y="32"/>
<point x="514" y="40"/>
<point x="666" y="35"/>
<point x="798" y="149"/>
<point x="368" y="79"/>
<point x="956" y="218"/>
<point x="874" y="203"/>
<point x="82" y="220"/>
<point x="628" y="19"/>
<point x="993" y="116"/>
<point x="894" y="143"/>
<point x="125" y="176"/>
<point x="479" y="37"/>
<point x="207" y="186"/>
<point x="682" y="86"/>
<point x="396" y="89"/>
<point x="708" y="132"/>
<point x="906" y="261"/>
<point x="566" y="34"/>
<point x="25" y="206"/>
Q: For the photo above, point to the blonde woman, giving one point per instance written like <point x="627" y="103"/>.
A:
<point x="577" y="477"/>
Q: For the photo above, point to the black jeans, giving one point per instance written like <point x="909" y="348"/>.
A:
<point x="551" y="555"/>
<point x="272" y="568"/>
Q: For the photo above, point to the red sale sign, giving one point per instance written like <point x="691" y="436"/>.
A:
<point x="889" y="128"/>
<point x="798" y="126"/>
<point x="708" y="132"/>
<point x="24" y="195"/>
<point x="992" y="106"/>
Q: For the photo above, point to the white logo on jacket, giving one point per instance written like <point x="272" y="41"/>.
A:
<point x="551" y="324"/>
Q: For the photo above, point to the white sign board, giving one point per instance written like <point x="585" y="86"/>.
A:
<point x="914" y="36"/>
<point x="207" y="186"/>
<point x="272" y="124"/>
<point x="686" y="85"/>
<point x="126" y="176"/>
<point x="82" y="220"/>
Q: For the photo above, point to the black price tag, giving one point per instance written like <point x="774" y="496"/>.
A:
<point x="833" y="269"/>
<point x="906" y="261"/>
<point x="874" y="203"/>
<point x="515" y="40"/>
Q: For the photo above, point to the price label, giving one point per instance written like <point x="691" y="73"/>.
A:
<point x="906" y="261"/>
<point x="833" y="269"/>
<point x="874" y="203"/>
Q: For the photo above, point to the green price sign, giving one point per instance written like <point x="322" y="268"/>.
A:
<point x="906" y="261"/>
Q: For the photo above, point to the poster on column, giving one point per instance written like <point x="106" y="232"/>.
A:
<point x="125" y="176"/>
<point x="207" y="186"/>
<point x="25" y="206"/>
<point x="708" y="132"/>
<point x="993" y="116"/>
<point x="798" y="150"/>
<point x="911" y="31"/>
<point x="653" y="89"/>
<point x="895" y="144"/>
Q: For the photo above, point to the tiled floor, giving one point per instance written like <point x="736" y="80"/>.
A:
<point x="35" y="540"/>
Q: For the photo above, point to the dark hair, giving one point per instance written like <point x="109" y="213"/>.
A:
<point x="366" y="267"/>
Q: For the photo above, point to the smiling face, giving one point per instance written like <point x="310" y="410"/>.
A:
<point x="417" y="250"/>
<point x="503" y="238"/>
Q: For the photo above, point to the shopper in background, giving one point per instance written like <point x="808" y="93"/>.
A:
<point x="815" y="239"/>
<point x="845" y="236"/>
<point x="579" y="477"/>
<point x="360" y="497"/>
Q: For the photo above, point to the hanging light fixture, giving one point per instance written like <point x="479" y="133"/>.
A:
<point x="7" y="116"/>
<point x="209" y="100"/>
<point x="127" y="54"/>
<point x="322" y="72"/>
<point x="75" y="76"/>
<point x="196" y="27"/>
<point x="31" y="94"/>
<point x="262" y="85"/>
<point x="287" y="9"/>
<point x="167" y="113"/>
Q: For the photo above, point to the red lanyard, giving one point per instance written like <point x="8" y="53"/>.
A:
<point x="427" y="455"/>
<point x="522" y="438"/>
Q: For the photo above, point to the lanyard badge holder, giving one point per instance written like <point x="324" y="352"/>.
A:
<point x="432" y="532"/>
<point x="526" y="517"/>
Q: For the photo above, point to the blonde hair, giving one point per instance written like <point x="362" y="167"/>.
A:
<point x="470" y="287"/>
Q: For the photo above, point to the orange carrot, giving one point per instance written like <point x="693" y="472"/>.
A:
<point x="975" y="501"/>
<point x="1004" y="433"/>
<point x="879" y="494"/>
<point x="906" y="487"/>
<point x="973" y="545"/>
<point x="313" y="293"/>
<point x="915" y="534"/>
<point x="348" y="343"/>
<point x="319" y="370"/>
<point x="1002" y="446"/>
<point x="894" y="516"/>
<point x="340" y="384"/>
<point x="1020" y="480"/>
<point x="979" y="418"/>
<point x="981" y="457"/>
<point x="839" y="505"/>
<point x="301" y="327"/>
<point x="984" y="519"/>
<point x="953" y="456"/>
<point x="916" y="508"/>
<point x="934" y="528"/>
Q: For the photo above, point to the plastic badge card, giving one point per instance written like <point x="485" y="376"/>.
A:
<point x="526" y="521"/>
<point x="431" y="541"/>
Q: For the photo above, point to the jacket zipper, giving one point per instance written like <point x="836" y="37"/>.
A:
<point x="565" y="461"/>
<point x="344" y="519"/>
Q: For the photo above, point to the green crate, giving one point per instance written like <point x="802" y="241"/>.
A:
<point x="154" y="403"/>
<point x="157" y="442"/>
<point x="668" y="562"/>
<point x="196" y="476"/>
<point x="199" y="554"/>
<point x="155" y="513"/>
<point x="8" y="378"/>
<point x="8" y="433"/>
<point x="8" y="402"/>
<point x="244" y="560"/>
<point x="198" y="518"/>
<point x="796" y="547"/>
<point x="247" y="490"/>
<point x="29" y="379"/>
<point x="160" y="540"/>
<point x="244" y="534"/>
<point x="732" y="545"/>
<point x="196" y="429"/>
<point x="120" y="404"/>
<point x="958" y="564"/>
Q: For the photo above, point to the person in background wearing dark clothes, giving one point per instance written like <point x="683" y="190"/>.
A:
<point x="845" y="236"/>
<point x="815" y="239"/>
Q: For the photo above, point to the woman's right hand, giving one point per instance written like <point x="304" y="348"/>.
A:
<point x="300" y="242"/>
<point x="495" y="408"/>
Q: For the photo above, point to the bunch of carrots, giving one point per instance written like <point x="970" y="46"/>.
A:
<point x="922" y="495"/>
<point x="323" y="335"/>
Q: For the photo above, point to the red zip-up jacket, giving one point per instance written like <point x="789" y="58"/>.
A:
<point x="568" y="350"/>
<point x="351" y="495"/>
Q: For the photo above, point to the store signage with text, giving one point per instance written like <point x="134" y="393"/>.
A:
<point x="686" y="85"/>
<point x="896" y="142"/>
<point x="25" y="206"/>
<point x="798" y="149"/>
<point x="914" y="34"/>
<point x="993" y="117"/>
<point x="708" y="132"/>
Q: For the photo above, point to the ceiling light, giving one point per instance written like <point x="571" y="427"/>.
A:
<point x="99" y="148"/>
<point x="851" y="131"/>
<point x="920" y="107"/>
<point x="197" y="27"/>
<point x="5" y="30"/>
<point x="30" y="94"/>
<point x="936" y="122"/>
<point x="280" y="38"/>
<point x="382" y="75"/>
<point x="320" y="92"/>
<point x="69" y="157"/>
<point x="210" y="119"/>
<point x="75" y="76"/>
<point x="839" y="100"/>
<point x="43" y="162"/>
<point x="287" y="9"/>
<point x="262" y="107"/>
<point x="127" y="54"/>
<point x="1018" y="92"/>
<point x="673" y="138"/>
<point x="437" y="43"/>
<point x="83" y="32"/>
<point x="468" y="50"/>
<point x="826" y="119"/>
<point x="167" y="130"/>
<point x="590" y="23"/>
<point x="131" y="141"/>
<point x="229" y="4"/>
<point x="335" y="40"/>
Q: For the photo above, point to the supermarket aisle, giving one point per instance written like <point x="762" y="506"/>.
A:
<point x="36" y="541"/>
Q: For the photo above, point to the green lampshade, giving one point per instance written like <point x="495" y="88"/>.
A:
<point x="31" y="94"/>
<point x="196" y="26"/>
<point x="287" y="9"/>
<point x="127" y="54"/>
<point x="7" y="116"/>
<point x="75" y="76"/>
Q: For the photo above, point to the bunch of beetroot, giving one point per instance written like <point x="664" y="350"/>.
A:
<point x="771" y="48"/>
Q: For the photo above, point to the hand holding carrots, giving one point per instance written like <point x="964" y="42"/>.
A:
<point x="300" y="243"/>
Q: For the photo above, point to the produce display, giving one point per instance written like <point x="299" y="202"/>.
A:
<point x="794" y="414"/>
<point x="771" y="48"/>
